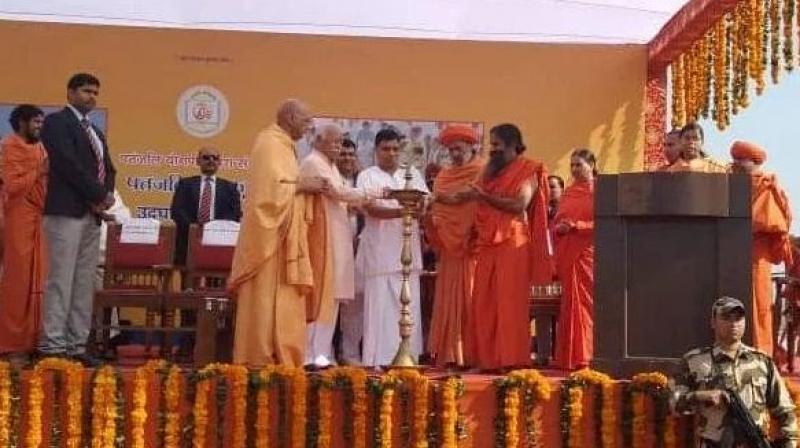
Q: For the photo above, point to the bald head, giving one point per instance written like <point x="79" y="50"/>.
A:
<point x="294" y="117"/>
<point x="329" y="141"/>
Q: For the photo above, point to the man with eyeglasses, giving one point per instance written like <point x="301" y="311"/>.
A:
<point x="203" y="198"/>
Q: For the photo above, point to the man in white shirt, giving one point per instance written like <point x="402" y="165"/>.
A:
<point x="379" y="255"/>
<point x="321" y="163"/>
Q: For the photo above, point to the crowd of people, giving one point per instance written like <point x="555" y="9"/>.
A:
<point x="319" y="247"/>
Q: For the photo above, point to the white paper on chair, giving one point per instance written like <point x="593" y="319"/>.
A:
<point x="139" y="231"/>
<point x="220" y="233"/>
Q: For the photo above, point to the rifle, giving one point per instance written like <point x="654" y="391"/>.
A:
<point x="743" y="421"/>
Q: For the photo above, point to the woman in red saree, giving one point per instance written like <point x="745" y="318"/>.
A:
<point x="574" y="253"/>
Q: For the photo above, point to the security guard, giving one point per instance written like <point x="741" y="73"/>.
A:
<point x="707" y="372"/>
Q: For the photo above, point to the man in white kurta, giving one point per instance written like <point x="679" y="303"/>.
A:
<point x="379" y="256"/>
<point x="321" y="162"/>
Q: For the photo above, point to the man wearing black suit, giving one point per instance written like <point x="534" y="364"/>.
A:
<point x="199" y="199"/>
<point x="79" y="191"/>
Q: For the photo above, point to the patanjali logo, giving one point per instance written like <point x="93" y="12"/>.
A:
<point x="202" y="111"/>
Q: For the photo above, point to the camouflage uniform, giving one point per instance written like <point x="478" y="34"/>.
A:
<point x="756" y="379"/>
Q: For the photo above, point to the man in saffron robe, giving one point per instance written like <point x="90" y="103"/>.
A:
<point x="451" y="233"/>
<point x="512" y="251"/>
<point x="771" y="245"/>
<point x="693" y="158"/>
<point x="271" y="273"/>
<point x="574" y="242"/>
<point x="321" y="163"/>
<point x="25" y="169"/>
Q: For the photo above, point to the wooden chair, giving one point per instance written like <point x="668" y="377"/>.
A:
<point x="135" y="276"/>
<point x="545" y="306"/>
<point x="207" y="270"/>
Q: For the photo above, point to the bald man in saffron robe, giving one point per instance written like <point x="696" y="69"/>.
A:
<point x="272" y="275"/>
<point x="513" y="251"/>
<point x="25" y="169"/>
<point x="771" y="245"/>
<point x="450" y="230"/>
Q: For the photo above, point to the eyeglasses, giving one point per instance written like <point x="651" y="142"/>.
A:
<point x="210" y="157"/>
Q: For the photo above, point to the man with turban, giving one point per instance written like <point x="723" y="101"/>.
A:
<point x="450" y="231"/>
<point x="771" y="221"/>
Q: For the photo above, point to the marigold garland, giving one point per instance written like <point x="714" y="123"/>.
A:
<point x="509" y="388"/>
<point x="435" y="408"/>
<point x="654" y="385"/>
<point x="385" y="416"/>
<point x="678" y="104"/>
<point x="276" y="376"/>
<point x="451" y="390"/>
<point x="325" y="416"/>
<point x="605" y="419"/>
<point x="74" y="376"/>
<point x="353" y="382"/>
<point x="262" y="409"/>
<point x="763" y="43"/>
<point x="174" y="386"/>
<point x="35" y="399"/>
<point x="200" y="412"/>
<point x="419" y="385"/>
<point x="5" y="403"/>
<point x="9" y="409"/>
<point x="788" y="37"/>
<point x="104" y="407"/>
<point x="733" y="51"/>
<point x="775" y="39"/>
<point x="237" y="375"/>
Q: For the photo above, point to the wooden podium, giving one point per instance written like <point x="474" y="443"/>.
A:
<point x="667" y="245"/>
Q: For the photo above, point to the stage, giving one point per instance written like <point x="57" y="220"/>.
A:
<point x="222" y="405"/>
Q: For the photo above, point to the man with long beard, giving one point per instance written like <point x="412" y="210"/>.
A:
<point x="512" y="251"/>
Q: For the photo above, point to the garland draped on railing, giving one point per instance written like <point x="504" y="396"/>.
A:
<point x="732" y="57"/>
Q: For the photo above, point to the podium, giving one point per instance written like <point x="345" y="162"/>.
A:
<point x="667" y="245"/>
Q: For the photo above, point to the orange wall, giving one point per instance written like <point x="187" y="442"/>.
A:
<point x="562" y="96"/>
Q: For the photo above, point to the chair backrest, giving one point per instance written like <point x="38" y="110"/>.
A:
<point x="205" y="261"/>
<point x="122" y="255"/>
<point x="132" y="264"/>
